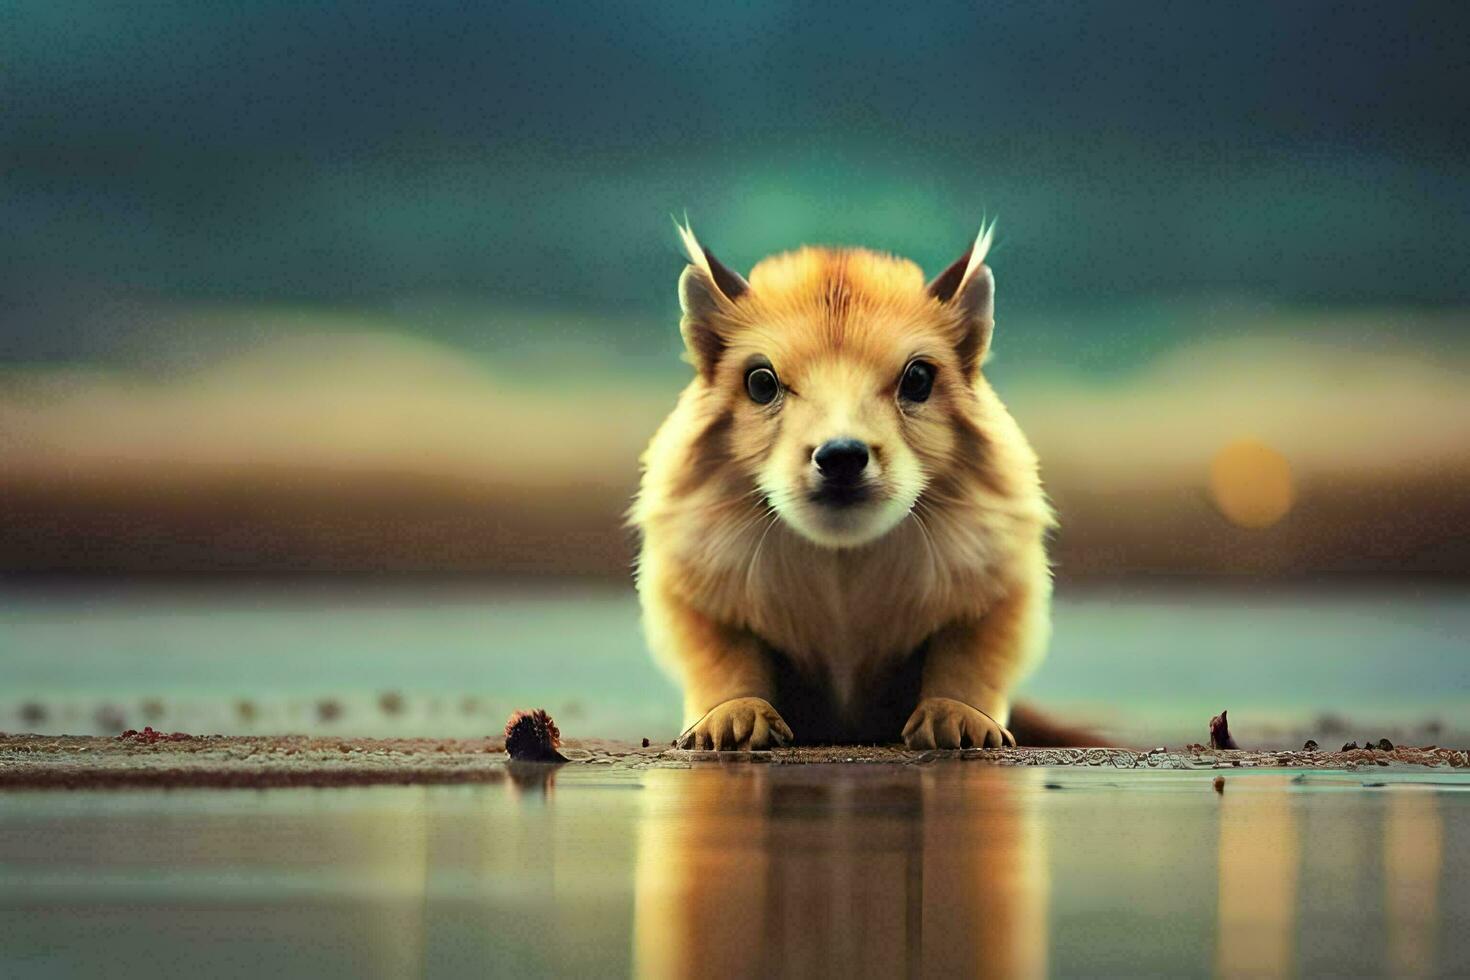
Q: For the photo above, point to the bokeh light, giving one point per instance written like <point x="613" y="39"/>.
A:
<point x="1251" y="484"/>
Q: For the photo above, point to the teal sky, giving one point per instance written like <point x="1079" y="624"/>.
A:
<point x="403" y="159"/>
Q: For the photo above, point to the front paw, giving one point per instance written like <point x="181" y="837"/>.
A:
<point x="944" y="723"/>
<point x="740" y="723"/>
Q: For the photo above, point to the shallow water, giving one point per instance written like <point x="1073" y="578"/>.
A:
<point x="955" y="868"/>
<point x="1147" y="665"/>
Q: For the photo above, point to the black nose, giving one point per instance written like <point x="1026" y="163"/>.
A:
<point x="841" y="460"/>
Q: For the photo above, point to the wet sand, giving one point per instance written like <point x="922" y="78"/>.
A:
<point x="176" y="760"/>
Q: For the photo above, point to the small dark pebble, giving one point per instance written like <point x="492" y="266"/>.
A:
<point x="645" y="743"/>
<point x="1350" y="746"/>
<point x="1219" y="784"/>
<point x="1385" y="745"/>
<point x="1311" y="745"/>
<point x="1375" y="785"/>
<point x="1053" y="785"/>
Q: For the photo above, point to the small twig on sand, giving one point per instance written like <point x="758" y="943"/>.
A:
<point x="1220" y="733"/>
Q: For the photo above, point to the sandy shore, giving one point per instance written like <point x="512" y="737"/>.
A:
<point x="82" y="762"/>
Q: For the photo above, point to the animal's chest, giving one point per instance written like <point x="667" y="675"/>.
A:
<point x="842" y="618"/>
<point x="842" y="612"/>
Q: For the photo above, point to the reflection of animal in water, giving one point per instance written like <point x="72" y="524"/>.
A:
<point x="843" y="528"/>
<point x="761" y="872"/>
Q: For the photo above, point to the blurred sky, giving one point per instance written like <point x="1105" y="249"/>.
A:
<point x="417" y="161"/>
<point x="379" y="285"/>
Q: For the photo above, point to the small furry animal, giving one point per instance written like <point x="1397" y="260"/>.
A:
<point x="843" y="529"/>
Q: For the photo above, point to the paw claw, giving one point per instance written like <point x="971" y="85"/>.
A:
<point x="740" y="723"/>
<point x="944" y="723"/>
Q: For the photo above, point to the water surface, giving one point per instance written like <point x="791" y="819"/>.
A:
<point x="1149" y="665"/>
<point x="740" y="869"/>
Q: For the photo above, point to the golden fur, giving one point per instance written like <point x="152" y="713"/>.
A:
<point x="912" y="615"/>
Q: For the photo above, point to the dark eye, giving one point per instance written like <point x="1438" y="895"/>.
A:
<point x="917" y="382"/>
<point x="762" y="385"/>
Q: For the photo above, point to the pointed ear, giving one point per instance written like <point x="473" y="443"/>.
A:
<point x="967" y="288"/>
<point x="708" y="292"/>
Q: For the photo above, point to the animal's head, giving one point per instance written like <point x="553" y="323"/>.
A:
<point x="837" y="383"/>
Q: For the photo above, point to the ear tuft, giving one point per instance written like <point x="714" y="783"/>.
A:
<point x="944" y="286"/>
<point x="967" y="286"/>
<point x="731" y="284"/>
<point x="707" y="294"/>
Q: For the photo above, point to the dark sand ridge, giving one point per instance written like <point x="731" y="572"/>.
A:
<point x="253" y="762"/>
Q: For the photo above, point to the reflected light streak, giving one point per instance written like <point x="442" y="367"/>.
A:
<point x="1259" y="868"/>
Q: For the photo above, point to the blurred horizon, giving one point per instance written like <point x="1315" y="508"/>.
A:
<point x="323" y="446"/>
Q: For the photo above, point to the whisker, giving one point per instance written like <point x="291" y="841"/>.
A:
<point x="929" y="544"/>
<point x="755" y="558"/>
